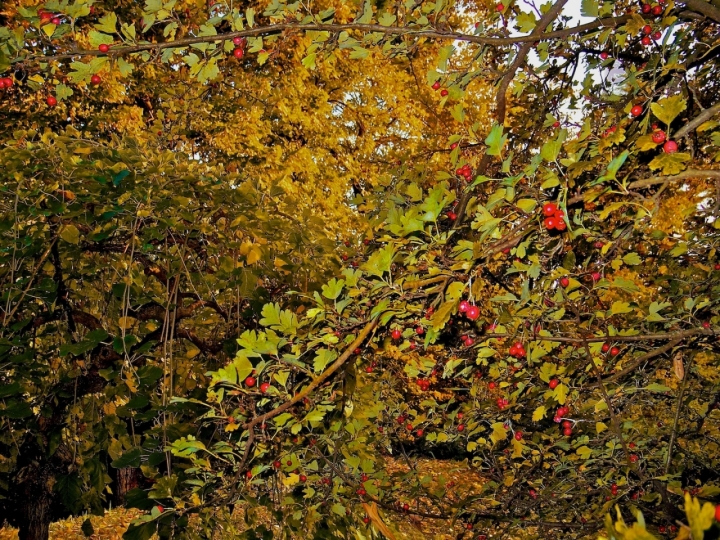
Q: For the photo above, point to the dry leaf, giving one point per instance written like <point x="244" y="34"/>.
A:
<point x="372" y="512"/>
<point x="678" y="366"/>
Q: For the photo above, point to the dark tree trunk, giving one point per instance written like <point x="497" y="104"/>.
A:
<point x="34" y="504"/>
<point x="128" y="478"/>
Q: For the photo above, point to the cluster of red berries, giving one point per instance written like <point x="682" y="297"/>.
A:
<point x="554" y="217"/>
<point x="648" y="33"/>
<point x="655" y="10"/>
<point x="5" y="82"/>
<point x="467" y="340"/>
<point x="465" y="171"/>
<point x="609" y="131"/>
<point x="614" y="351"/>
<point x="471" y="312"/>
<point x="658" y="135"/>
<point x="567" y="426"/>
<point x="424" y="384"/>
<point x="47" y="17"/>
<point x="518" y="350"/>
<point x="502" y="403"/>
<point x="560" y="413"/>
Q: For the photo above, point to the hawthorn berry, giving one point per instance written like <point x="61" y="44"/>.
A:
<point x="614" y="351"/>
<point x="104" y="47"/>
<point x="636" y="110"/>
<point x="549" y="209"/>
<point x="646" y="41"/>
<point x="518" y="435"/>
<point x="567" y="431"/>
<point x="444" y="92"/>
<point x="553" y="384"/>
<point x="556" y="124"/>
<point x="95" y="79"/>
<point x="463" y="306"/>
<point x="239" y="53"/>
<point x="564" y="281"/>
<point x="647" y="29"/>
<point x="396" y="334"/>
<point x="303" y="478"/>
<point x="461" y="427"/>
<point x="657" y="10"/>
<point x="264" y="387"/>
<point x="250" y="381"/>
<point x="658" y="137"/>
<point x="436" y="85"/>
<point x="670" y="147"/>
<point x="473" y="312"/>
<point x="604" y="55"/>
<point x="646" y="8"/>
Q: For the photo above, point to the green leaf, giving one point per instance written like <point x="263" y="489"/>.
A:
<point x="589" y="8"/>
<point x="495" y="140"/>
<point x="379" y="262"/>
<point x="250" y="17"/>
<point x="70" y="234"/>
<point x="657" y="387"/>
<point x="107" y="23"/>
<point x="632" y="259"/>
<point x="442" y="315"/>
<point x="128" y="459"/>
<point x="526" y="22"/>
<point x="333" y="288"/>
<point x="584" y="452"/>
<point x="323" y="358"/>
<point x="667" y="109"/>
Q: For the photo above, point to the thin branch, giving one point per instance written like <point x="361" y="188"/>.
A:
<point x="609" y="22"/>
<point x="704" y="116"/>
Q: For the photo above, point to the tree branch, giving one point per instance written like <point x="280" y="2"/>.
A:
<point x="704" y="116"/>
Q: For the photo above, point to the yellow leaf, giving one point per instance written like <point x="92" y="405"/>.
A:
<point x="126" y="322"/>
<point x="254" y="255"/>
<point x="539" y="413"/>
<point x="499" y="433"/>
<point x="560" y="393"/>
<point x="291" y="479"/>
<point x="600" y="427"/>
<point x="371" y="510"/>
<point x="699" y="519"/>
<point x="517" y="448"/>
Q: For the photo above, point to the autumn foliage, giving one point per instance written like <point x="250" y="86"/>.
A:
<point x="253" y="253"/>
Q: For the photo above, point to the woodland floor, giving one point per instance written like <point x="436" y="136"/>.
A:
<point x="467" y="482"/>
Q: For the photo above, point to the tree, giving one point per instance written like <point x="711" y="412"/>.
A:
<point x="532" y="286"/>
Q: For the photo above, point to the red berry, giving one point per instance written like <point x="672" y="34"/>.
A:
<point x="567" y="424"/>
<point x="518" y="435"/>
<point x="492" y="385"/>
<point x="564" y="281"/>
<point x="557" y="419"/>
<point x="604" y="55"/>
<point x="469" y="342"/>
<point x="533" y="493"/>
<point x="56" y="21"/>
<point x="361" y="491"/>
<point x="436" y="85"/>
<point x="614" y="351"/>
<point x="658" y="137"/>
<point x="239" y="53"/>
<point x="662" y="529"/>
<point x="717" y="266"/>
<point x="596" y="276"/>
<point x="248" y="474"/>
<point x="366" y="520"/>
<point x="277" y="464"/>
<point x="631" y="445"/>
<point x="646" y="41"/>
<point x="605" y="347"/>
<point x="160" y="508"/>
<point x="303" y="478"/>
<point x="45" y="16"/>
<point x="549" y="209"/>
<point x="7" y="82"/>
<point x="419" y="433"/>
<point x="250" y="381"/>
<point x="556" y="124"/>
<point x="657" y="10"/>
<point x="463" y="306"/>
<point x="444" y="92"/>
<point x="633" y="458"/>
<point x="95" y="79"/>
<point x="472" y="313"/>
<point x="104" y="47"/>
<point x="419" y="330"/>
<point x="670" y="147"/>
<point x="461" y="427"/>
<point x="264" y="387"/>
<point x="549" y="223"/>
<point x="406" y="507"/>
<point x="646" y="8"/>
<point x="717" y="513"/>
<point x="452" y="216"/>
<point x="238" y="41"/>
<point x="396" y="334"/>
<point x="636" y="110"/>
<point x="706" y="325"/>
<point x="369" y="369"/>
<point x="469" y="526"/>
<point x="647" y="29"/>
<point x="560" y="224"/>
<point x="553" y="384"/>
<point x="500" y="8"/>
<point x="567" y="431"/>
<point x="657" y="35"/>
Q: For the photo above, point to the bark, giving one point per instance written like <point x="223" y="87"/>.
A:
<point x="34" y="503"/>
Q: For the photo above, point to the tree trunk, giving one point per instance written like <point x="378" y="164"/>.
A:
<point x="34" y="508"/>
<point x="128" y="478"/>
